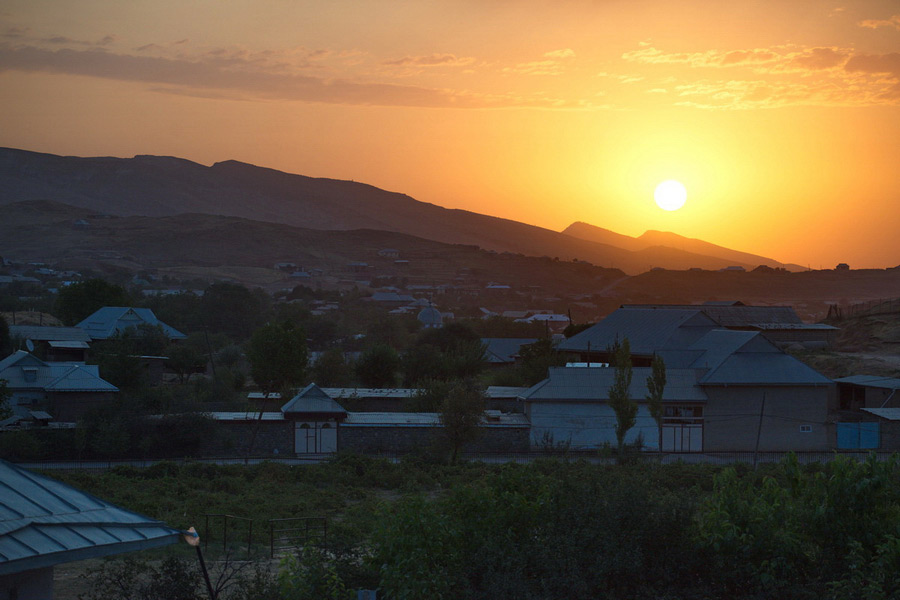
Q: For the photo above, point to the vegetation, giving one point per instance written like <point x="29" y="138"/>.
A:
<point x="656" y="386"/>
<point x="462" y="409"/>
<point x="78" y="301"/>
<point x="549" y="529"/>
<point x="278" y="356"/>
<point x="619" y="396"/>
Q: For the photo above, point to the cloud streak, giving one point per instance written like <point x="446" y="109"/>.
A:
<point x="252" y="75"/>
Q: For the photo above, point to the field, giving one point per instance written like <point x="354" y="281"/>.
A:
<point x="549" y="529"/>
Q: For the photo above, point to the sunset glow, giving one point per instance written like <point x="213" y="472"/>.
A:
<point x="670" y="195"/>
<point x="781" y="118"/>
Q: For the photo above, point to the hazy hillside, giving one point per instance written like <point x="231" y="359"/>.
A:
<point x="651" y="239"/>
<point x="164" y="186"/>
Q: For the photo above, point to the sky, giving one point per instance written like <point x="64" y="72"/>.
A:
<point x="781" y="118"/>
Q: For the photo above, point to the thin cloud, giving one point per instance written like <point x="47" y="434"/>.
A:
<point x="893" y="22"/>
<point x="16" y="32"/>
<point x="431" y="60"/>
<point x="564" y="53"/>
<point x="233" y="71"/>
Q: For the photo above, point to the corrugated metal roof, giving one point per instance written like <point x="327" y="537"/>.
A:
<point x="40" y="333"/>
<point x="44" y="522"/>
<point x="732" y="313"/>
<point x="22" y="370"/>
<point x="312" y="399"/>
<point x="69" y="344"/>
<point x="763" y="369"/>
<point x="648" y="330"/>
<point x="246" y="416"/>
<point x="110" y="320"/>
<point x="503" y="350"/>
<point x="888" y="383"/>
<point x="394" y="419"/>
<point x="890" y="414"/>
<point x="592" y="385"/>
<point x="502" y="391"/>
<point x="794" y="326"/>
<point x="339" y="393"/>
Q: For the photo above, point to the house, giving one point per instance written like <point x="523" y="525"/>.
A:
<point x="430" y="318"/>
<point x="501" y="352"/>
<point x="734" y="390"/>
<point x="44" y="523"/>
<point x="110" y="321"/>
<point x="315" y="418"/>
<point x="65" y="344"/>
<point x="389" y="253"/>
<point x="868" y="413"/>
<point x="779" y="324"/>
<point x="65" y="390"/>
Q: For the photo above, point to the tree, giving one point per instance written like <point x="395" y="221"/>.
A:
<point x="461" y="414"/>
<point x="185" y="359"/>
<point x="232" y="309"/>
<point x="656" y="384"/>
<point x="80" y="300"/>
<point x="619" y="396"/>
<point x="451" y="352"/>
<point x="5" y="409"/>
<point x="5" y="340"/>
<point x="278" y="356"/>
<point x="377" y="366"/>
<point x="331" y="369"/>
<point x="537" y="358"/>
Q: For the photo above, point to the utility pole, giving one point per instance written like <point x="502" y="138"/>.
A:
<point x="762" y="409"/>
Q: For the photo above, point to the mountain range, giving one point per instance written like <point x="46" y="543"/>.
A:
<point x="157" y="186"/>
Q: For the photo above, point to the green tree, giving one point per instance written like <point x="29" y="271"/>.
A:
<point x="451" y="352"/>
<point x="536" y="360"/>
<point x="461" y="412"/>
<point x="331" y="369"/>
<point x="184" y="359"/>
<point x="619" y="395"/>
<point x="377" y="366"/>
<point x="80" y="300"/>
<point x="278" y="356"/>
<point x="656" y="385"/>
<point x="232" y="309"/>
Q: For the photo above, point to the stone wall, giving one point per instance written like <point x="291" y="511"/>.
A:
<point x="272" y="437"/>
<point x="408" y="439"/>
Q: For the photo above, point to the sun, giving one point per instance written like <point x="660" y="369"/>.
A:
<point x="670" y="195"/>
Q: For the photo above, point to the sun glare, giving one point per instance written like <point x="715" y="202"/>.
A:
<point x="670" y="195"/>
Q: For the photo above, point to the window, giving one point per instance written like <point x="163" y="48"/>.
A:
<point x="806" y="429"/>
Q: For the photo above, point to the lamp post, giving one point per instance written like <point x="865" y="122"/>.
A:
<point x="193" y="539"/>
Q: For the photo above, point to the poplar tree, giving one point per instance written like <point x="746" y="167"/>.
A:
<point x="619" y="396"/>
<point x="656" y="384"/>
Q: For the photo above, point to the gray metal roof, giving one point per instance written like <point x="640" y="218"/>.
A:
<point x="592" y="385"/>
<point x="888" y="383"/>
<point x="763" y="369"/>
<point x="40" y="333"/>
<point x="733" y="313"/>
<point x="246" y="416"/>
<point x="312" y="399"/>
<point x="44" y="522"/>
<point x="648" y="330"/>
<point x="503" y="350"/>
<point x="110" y="320"/>
<point x="890" y="414"/>
<point x="25" y="371"/>
<point x="422" y="419"/>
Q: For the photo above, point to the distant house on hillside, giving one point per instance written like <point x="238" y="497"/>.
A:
<point x="109" y="321"/>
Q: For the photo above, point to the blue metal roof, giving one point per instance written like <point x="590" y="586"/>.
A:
<point x="312" y="399"/>
<point x="592" y="385"/>
<point x="876" y="381"/>
<point x="763" y="369"/>
<point x="44" y="522"/>
<point x="24" y="371"/>
<point x="110" y="320"/>
<point x="503" y="350"/>
<point x="648" y="330"/>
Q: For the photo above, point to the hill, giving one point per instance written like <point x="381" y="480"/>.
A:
<point x="651" y="239"/>
<point x="155" y="186"/>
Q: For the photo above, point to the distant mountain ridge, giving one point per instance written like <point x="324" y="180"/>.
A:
<point x="159" y="186"/>
<point x="652" y="238"/>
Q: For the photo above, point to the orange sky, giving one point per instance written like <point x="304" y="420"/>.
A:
<point x="780" y="117"/>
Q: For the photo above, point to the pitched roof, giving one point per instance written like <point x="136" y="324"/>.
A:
<point x="44" y="522"/>
<point x="592" y="385"/>
<point x="888" y="383"/>
<point x="49" y="334"/>
<point x="648" y="330"/>
<point x="110" y="320"/>
<point x="734" y="313"/>
<point x="764" y="369"/>
<point x="54" y="376"/>
<point x="312" y="399"/>
<point x="503" y="350"/>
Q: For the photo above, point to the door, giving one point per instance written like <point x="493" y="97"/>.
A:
<point x="327" y="438"/>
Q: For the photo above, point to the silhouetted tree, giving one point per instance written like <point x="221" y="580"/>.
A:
<point x="536" y="359"/>
<point x="656" y="385"/>
<point x="5" y="340"/>
<point x="278" y="356"/>
<point x="461" y="412"/>
<point x="232" y="309"/>
<point x="78" y="301"/>
<point x="331" y="369"/>
<point x="5" y="395"/>
<point x="377" y="366"/>
<point x="619" y="396"/>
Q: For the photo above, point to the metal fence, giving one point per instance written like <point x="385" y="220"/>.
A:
<point x="868" y="308"/>
<point x="592" y="456"/>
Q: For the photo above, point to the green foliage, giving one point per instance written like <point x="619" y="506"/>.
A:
<point x="332" y="370"/>
<point x="573" y="329"/>
<point x="461" y="412"/>
<point x="278" y="356"/>
<point x="185" y="359"/>
<point x="311" y="576"/>
<point x="536" y="360"/>
<point x="656" y="386"/>
<point x="232" y="309"/>
<point x="5" y="340"/>
<point x="78" y="301"/>
<point x="619" y="396"/>
<point x="451" y="352"/>
<point x="429" y="396"/>
<point x="377" y="366"/>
